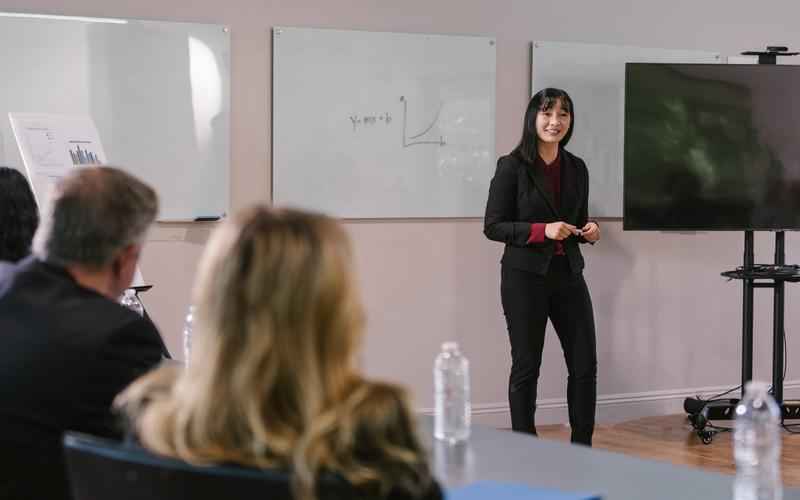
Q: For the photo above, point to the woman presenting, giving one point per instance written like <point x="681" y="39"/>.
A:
<point x="538" y="207"/>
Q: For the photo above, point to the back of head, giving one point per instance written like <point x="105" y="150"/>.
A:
<point x="94" y="213"/>
<point x="271" y="381"/>
<point x="277" y="323"/>
<point x="278" y="309"/>
<point x="19" y="215"/>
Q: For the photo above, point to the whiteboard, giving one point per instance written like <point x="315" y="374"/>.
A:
<point x="383" y="125"/>
<point x="159" y="93"/>
<point x="594" y="76"/>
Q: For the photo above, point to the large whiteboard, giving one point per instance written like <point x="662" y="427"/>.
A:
<point x="594" y="76"/>
<point x="382" y="125"/>
<point x="159" y="93"/>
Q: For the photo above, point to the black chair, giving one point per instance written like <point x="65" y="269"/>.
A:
<point x="100" y="469"/>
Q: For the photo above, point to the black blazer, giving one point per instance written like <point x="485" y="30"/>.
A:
<point x="65" y="353"/>
<point x="520" y="195"/>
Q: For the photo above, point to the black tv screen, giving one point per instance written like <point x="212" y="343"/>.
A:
<point x="711" y="147"/>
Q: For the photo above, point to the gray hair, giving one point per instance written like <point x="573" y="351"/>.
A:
<point x="93" y="214"/>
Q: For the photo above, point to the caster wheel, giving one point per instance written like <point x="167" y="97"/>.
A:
<point x="706" y="436"/>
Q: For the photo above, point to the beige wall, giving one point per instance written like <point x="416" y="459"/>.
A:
<point x="667" y="322"/>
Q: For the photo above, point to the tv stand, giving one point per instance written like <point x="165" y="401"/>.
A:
<point x="777" y="275"/>
<point x="753" y="276"/>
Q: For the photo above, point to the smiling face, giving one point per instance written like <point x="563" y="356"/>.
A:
<point x="553" y="123"/>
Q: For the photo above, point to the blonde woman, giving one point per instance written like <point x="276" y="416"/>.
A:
<point x="272" y="383"/>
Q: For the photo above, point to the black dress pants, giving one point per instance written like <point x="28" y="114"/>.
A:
<point x="529" y="300"/>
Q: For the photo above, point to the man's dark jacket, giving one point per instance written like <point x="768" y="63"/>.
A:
<point x="65" y="352"/>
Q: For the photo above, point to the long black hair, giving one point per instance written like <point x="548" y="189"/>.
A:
<point x="19" y="215"/>
<point x="543" y="101"/>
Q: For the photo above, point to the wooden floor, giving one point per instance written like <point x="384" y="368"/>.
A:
<point x="671" y="439"/>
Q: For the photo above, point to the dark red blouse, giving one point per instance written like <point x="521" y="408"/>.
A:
<point x="552" y="173"/>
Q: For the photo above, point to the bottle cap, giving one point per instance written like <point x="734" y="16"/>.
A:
<point x="450" y="346"/>
<point x="756" y="386"/>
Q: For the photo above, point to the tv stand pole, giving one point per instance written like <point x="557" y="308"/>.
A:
<point x="778" y="333"/>
<point x="778" y="284"/>
<point x="747" y="310"/>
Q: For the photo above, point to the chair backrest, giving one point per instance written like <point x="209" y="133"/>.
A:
<point x="100" y="469"/>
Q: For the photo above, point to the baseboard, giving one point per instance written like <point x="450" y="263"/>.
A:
<point x="610" y="407"/>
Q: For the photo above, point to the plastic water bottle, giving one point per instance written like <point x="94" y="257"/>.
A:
<point x="130" y="300"/>
<point x="188" y="325"/>
<point x="451" y="384"/>
<point x="757" y="445"/>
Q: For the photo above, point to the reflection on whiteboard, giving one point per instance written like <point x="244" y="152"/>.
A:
<point x="53" y="145"/>
<point x="381" y="125"/>
<point x="594" y="76"/>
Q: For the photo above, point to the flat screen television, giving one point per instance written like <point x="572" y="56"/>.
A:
<point x="711" y="147"/>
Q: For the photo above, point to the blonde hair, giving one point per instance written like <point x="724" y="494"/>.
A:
<point x="371" y="440"/>
<point x="271" y="382"/>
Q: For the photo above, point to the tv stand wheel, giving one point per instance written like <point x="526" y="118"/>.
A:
<point x="706" y="436"/>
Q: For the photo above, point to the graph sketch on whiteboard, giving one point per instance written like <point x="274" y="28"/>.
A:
<point x="412" y="140"/>
<point x="367" y="120"/>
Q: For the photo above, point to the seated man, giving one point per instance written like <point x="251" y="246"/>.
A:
<point x="66" y="346"/>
